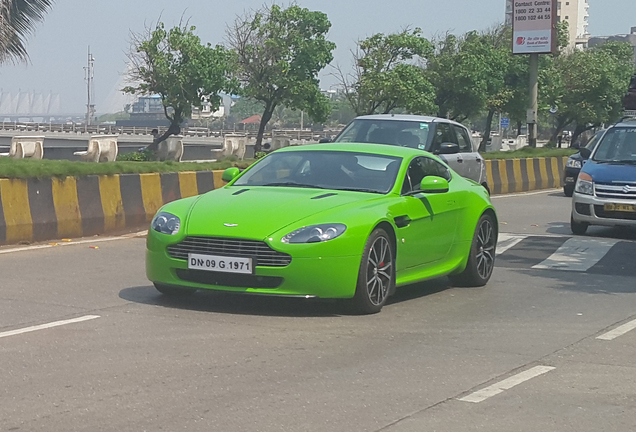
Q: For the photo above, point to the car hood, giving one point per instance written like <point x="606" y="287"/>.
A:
<point x="258" y="212"/>
<point x="608" y="173"/>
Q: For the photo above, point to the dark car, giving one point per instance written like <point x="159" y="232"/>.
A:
<point x="605" y="192"/>
<point x="574" y="164"/>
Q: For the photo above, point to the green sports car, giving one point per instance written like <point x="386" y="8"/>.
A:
<point x="344" y="221"/>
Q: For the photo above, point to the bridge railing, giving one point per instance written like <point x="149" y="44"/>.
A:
<point x="73" y="128"/>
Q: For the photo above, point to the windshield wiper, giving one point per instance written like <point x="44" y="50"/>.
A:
<point x="294" y="184"/>
<point x="623" y="161"/>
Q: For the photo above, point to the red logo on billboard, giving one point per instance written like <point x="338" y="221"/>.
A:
<point x="521" y="40"/>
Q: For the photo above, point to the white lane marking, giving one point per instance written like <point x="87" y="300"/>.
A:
<point x="618" y="331"/>
<point x="507" y="384"/>
<point x="545" y="191"/>
<point x="48" y="326"/>
<point x="71" y="243"/>
<point x="577" y="254"/>
<point x="508" y="241"/>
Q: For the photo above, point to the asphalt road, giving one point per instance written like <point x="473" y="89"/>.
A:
<point x="535" y="350"/>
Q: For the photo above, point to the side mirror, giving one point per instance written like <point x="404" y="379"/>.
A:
<point x="585" y="153"/>
<point x="324" y="140"/>
<point x="230" y="174"/>
<point x="434" y="184"/>
<point x="448" y="148"/>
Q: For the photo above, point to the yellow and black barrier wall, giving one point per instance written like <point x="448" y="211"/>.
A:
<point x="523" y="175"/>
<point x="43" y="209"/>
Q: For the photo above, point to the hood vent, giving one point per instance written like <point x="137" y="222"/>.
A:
<point x="240" y="192"/>
<point x="324" y="196"/>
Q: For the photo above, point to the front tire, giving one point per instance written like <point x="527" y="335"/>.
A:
<point x="170" y="290"/>
<point x="376" y="277"/>
<point x="481" y="260"/>
<point x="578" y="228"/>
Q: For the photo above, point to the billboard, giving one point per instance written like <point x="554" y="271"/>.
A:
<point x="534" y="29"/>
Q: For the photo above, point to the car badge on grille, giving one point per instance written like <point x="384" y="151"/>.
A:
<point x="628" y="189"/>
<point x="230" y="225"/>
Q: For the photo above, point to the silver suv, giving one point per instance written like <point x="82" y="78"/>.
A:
<point x="445" y="138"/>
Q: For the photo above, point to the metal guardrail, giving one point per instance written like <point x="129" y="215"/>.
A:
<point x="73" y="128"/>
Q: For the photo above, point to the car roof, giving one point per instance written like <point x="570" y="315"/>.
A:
<point x="628" y="122"/>
<point x="379" y="149"/>
<point x="407" y="117"/>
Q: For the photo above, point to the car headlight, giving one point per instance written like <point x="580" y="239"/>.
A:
<point x="315" y="233"/>
<point x="166" y="223"/>
<point x="585" y="184"/>
<point x="573" y="163"/>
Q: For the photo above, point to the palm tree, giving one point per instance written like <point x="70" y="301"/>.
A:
<point x="17" y="21"/>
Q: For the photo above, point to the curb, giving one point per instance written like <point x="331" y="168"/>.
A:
<point x="524" y="175"/>
<point x="44" y="209"/>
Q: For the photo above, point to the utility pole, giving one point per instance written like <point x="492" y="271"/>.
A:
<point x="534" y="100"/>
<point x="89" y="77"/>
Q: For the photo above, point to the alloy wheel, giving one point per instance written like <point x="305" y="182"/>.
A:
<point x="379" y="271"/>
<point x="485" y="249"/>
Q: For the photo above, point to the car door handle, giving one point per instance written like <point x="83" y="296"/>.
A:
<point x="402" y="221"/>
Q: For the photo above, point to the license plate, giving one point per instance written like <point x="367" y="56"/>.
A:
<point x="220" y="264"/>
<point x="569" y="179"/>
<point x="620" y="207"/>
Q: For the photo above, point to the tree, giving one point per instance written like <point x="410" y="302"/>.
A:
<point x="386" y="77"/>
<point x="185" y="73"/>
<point x="17" y="21"/>
<point x="459" y="76"/>
<point x="280" y="53"/>
<point x="587" y="86"/>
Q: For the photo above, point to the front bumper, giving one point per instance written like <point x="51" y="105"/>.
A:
<point x="591" y="209"/>
<point x="323" y="277"/>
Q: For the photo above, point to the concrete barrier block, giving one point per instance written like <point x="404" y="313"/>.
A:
<point x="26" y="147"/>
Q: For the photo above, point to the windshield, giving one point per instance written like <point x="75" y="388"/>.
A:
<point x="403" y="133"/>
<point x="325" y="170"/>
<point x="592" y="143"/>
<point x="618" y="145"/>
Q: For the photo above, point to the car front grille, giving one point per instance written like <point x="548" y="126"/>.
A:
<point x="616" y="190"/>
<point x="230" y="247"/>
<point x="233" y="280"/>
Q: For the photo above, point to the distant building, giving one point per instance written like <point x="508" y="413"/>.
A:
<point x="629" y="38"/>
<point x="574" y="12"/>
<point x="147" y="108"/>
<point x="205" y="112"/>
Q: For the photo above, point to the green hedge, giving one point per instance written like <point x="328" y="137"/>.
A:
<point x="27" y="168"/>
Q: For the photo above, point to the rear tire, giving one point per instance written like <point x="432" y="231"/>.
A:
<point x="376" y="277"/>
<point x="481" y="260"/>
<point x="568" y="190"/>
<point x="578" y="228"/>
<point x="170" y="290"/>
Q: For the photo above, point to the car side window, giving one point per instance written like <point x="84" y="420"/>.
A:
<point x="421" y="167"/>
<point x="443" y="134"/>
<point x="463" y="139"/>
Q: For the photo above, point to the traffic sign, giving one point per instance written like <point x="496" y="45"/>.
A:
<point x="505" y="122"/>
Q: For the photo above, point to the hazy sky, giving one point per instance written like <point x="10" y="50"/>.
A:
<point x="58" y="50"/>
